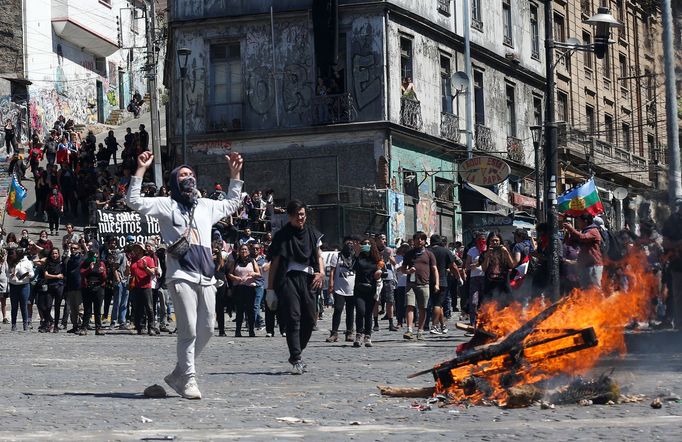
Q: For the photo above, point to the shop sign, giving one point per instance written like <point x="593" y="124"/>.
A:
<point x="484" y="171"/>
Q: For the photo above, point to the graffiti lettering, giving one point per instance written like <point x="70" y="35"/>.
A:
<point x="261" y="90"/>
<point x="296" y="88"/>
<point x="366" y="79"/>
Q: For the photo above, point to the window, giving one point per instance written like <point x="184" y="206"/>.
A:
<point x="626" y="136"/>
<point x="511" y="111"/>
<point x="589" y="117"/>
<point x="620" y="10"/>
<point x="476" y="15"/>
<point x="608" y="128"/>
<point x="507" y="23"/>
<point x="410" y="183"/>
<point x="537" y="111"/>
<point x="406" y="57"/>
<point x="649" y="84"/>
<point x="586" y="7"/>
<point x="561" y="106"/>
<point x="226" y="86"/>
<point x="446" y="87"/>
<point x="101" y="65"/>
<point x="444" y="7"/>
<point x="623" y="64"/>
<point x="535" y="32"/>
<point x="587" y="55"/>
<point x="559" y="28"/>
<point x="479" y="105"/>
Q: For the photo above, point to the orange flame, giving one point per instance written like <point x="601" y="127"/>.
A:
<point x="607" y="311"/>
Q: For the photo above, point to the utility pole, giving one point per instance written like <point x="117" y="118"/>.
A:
<point x="153" y="92"/>
<point x="674" y="177"/>
<point x="551" y="158"/>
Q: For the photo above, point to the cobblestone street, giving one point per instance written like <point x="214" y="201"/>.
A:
<point x="67" y="387"/>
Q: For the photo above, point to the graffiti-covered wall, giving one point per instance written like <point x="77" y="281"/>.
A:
<point x="282" y="94"/>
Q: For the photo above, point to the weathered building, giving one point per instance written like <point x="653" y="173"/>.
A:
<point x="313" y="99"/>
<point x="613" y="108"/>
<point x="82" y="59"/>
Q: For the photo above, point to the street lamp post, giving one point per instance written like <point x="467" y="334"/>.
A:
<point x="183" y="55"/>
<point x="603" y="22"/>
<point x="536" y="131"/>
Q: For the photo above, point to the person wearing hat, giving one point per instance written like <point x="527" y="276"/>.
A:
<point x="672" y="243"/>
<point x="141" y="271"/>
<point x="185" y="221"/>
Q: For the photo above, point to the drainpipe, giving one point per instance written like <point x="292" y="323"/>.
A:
<point x="387" y="99"/>
<point x="470" y="89"/>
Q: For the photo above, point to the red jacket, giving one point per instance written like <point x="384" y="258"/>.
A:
<point x="139" y="277"/>
<point x="589" y="241"/>
<point x="55" y="202"/>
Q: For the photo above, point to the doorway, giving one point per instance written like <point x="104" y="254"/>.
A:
<point x="100" y="102"/>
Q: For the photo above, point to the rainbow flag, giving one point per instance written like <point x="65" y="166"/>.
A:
<point x="581" y="199"/>
<point x="15" y="199"/>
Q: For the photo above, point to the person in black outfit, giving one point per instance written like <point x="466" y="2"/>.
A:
<point x="296" y="271"/>
<point x="54" y="278"/>
<point x="144" y="139"/>
<point x="94" y="275"/>
<point x="447" y="264"/>
<point x="368" y="268"/>
<point x="10" y="137"/>
<point x="221" y="292"/>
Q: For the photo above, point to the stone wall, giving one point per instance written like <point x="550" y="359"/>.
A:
<point x="11" y="39"/>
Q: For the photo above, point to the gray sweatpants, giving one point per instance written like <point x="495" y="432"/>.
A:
<point x="194" y="315"/>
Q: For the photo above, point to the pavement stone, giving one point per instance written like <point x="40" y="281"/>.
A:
<point x="66" y="387"/>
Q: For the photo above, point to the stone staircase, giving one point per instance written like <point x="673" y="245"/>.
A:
<point x="117" y="117"/>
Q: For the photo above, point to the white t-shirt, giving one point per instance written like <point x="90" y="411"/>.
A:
<point x="344" y="278"/>
<point x="402" y="277"/>
<point x="473" y="253"/>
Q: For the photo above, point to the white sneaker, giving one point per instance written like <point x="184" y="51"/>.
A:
<point x="444" y="330"/>
<point x="435" y="330"/>
<point x="188" y="389"/>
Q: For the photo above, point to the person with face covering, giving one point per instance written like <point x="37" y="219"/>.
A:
<point x="244" y="276"/>
<point x="341" y="283"/>
<point x="190" y="272"/>
<point x="475" y="274"/>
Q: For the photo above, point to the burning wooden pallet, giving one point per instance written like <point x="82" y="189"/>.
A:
<point x="487" y="371"/>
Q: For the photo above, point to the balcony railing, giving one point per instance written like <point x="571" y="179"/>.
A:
<point x="603" y="148"/>
<point x="333" y="109"/>
<point x="411" y="113"/>
<point x="515" y="150"/>
<point x="622" y="155"/>
<point x="484" y="138"/>
<point x="449" y="126"/>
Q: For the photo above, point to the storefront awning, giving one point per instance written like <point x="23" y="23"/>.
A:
<point x="489" y="194"/>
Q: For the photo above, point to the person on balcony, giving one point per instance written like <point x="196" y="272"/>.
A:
<point x="407" y="89"/>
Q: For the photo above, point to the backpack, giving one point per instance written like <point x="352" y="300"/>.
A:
<point x="614" y="250"/>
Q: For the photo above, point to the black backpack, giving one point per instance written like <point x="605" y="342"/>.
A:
<point x="611" y="246"/>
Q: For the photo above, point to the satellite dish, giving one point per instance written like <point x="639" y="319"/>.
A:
<point x="620" y="193"/>
<point x="460" y="80"/>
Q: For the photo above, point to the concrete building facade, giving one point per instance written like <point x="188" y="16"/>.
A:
<point x="81" y="59"/>
<point x="315" y="101"/>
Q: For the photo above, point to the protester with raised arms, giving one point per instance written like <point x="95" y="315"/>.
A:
<point x="186" y="220"/>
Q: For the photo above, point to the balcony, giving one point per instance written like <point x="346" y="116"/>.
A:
<point x="411" y="113"/>
<point x="515" y="150"/>
<point x="333" y="109"/>
<point x="603" y="148"/>
<point x="622" y="155"/>
<point x="449" y="126"/>
<point x="224" y="117"/>
<point x="483" y="138"/>
<point x="83" y="30"/>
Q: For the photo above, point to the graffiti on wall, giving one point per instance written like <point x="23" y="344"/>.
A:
<point x="79" y="103"/>
<point x="396" y="213"/>
<point x="366" y="68"/>
<point x="16" y="112"/>
<point x="427" y="215"/>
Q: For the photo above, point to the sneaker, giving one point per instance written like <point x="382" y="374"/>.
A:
<point x="5" y="321"/>
<point x="72" y="330"/>
<point x="420" y="336"/>
<point x="368" y="341"/>
<point x="99" y="332"/>
<point x="408" y="335"/>
<point x="435" y="330"/>
<point x="188" y="389"/>
<point x="298" y="368"/>
<point x="269" y="335"/>
<point x="349" y="336"/>
<point x="376" y="327"/>
<point x="14" y="327"/>
<point x="333" y="337"/>
<point x="392" y="328"/>
<point x="83" y="332"/>
<point x="164" y="329"/>
<point x="444" y="330"/>
<point x="358" y="338"/>
<point x="468" y="334"/>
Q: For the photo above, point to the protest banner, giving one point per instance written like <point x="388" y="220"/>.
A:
<point x="117" y="224"/>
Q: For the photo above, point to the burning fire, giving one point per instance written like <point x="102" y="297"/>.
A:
<point x="606" y="311"/>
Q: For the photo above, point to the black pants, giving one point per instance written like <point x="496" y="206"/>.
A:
<point x="57" y="295"/>
<point x="297" y="304"/>
<point x="364" y="307"/>
<point x="244" y="298"/>
<point x="92" y="304"/>
<point x="270" y="317"/>
<point x="400" y="300"/>
<point x="143" y="309"/>
<point x="53" y="219"/>
<point x="220" y="304"/>
<point x="45" y="300"/>
<point x="339" y="302"/>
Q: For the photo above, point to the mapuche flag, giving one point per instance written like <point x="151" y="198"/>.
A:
<point x="15" y="199"/>
<point x="581" y="199"/>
